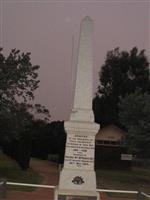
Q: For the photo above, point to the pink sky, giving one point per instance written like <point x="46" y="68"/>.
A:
<point x="45" y="28"/>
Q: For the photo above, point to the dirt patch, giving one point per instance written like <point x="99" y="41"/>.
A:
<point x="49" y="172"/>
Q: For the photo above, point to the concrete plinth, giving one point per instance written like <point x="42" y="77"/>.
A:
<point x="78" y="178"/>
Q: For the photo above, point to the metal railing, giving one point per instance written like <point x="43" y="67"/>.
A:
<point x="2" y="188"/>
<point x="139" y="195"/>
<point x="143" y="196"/>
<point x="31" y="185"/>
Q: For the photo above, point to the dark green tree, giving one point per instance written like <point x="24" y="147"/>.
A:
<point x="41" y="140"/>
<point x="18" y="77"/>
<point x="18" y="81"/>
<point x="134" y="115"/>
<point x="59" y="139"/>
<point x="121" y="73"/>
<point x="48" y="138"/>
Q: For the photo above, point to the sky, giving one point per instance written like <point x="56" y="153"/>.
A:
<point x="50" y="31"/>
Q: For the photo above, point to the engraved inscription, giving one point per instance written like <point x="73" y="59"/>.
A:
<point x="79" y="151"/>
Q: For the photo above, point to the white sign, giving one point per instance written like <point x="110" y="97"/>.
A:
<point x="79" y="152"/>
<point x="126" y="157"/>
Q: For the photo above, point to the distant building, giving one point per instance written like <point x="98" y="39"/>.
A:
<point x="109" y="150"/>
<point x="110" y="136"/>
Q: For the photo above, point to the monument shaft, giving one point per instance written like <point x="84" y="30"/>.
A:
<point x="82" y="108"/>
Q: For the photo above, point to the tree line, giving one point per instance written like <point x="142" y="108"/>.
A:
<point x="122" y="98"/>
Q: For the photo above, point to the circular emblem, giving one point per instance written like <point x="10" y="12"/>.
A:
<point x="78" y="180"/>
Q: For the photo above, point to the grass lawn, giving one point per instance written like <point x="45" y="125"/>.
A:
<point x="10" y="170"/>
<point x="136" y="179"/>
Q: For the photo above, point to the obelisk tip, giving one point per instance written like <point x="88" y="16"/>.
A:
<point x="87" y="18"/>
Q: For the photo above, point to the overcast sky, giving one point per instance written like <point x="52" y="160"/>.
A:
<point x="47" y="28"/>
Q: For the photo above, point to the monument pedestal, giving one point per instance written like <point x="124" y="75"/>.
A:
<point x="77" y="178"/>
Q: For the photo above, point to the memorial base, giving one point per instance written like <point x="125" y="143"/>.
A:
<point x="78" y="171"/>
<point x="77" y="178"/>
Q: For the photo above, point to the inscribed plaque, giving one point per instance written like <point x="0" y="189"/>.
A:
<point x="79" y="152"/>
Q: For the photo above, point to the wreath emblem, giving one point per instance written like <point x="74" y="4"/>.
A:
<point x="78" y="180"/>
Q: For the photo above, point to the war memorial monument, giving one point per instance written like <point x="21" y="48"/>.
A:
<point x="78" y="179"/>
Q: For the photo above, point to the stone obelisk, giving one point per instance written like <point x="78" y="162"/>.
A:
<point x="77" y="178"/>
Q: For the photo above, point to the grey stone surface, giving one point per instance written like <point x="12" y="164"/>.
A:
<point x="82" y="107"/>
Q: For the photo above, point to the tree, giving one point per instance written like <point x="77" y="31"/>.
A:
<point x="18" y="81"/>
<point x="18" y="77"/>
<point x="16" y="134"/>
<point x="48" y="138"/>
<point x="134" y="115"/>
<point x="59" y="139"/>
<point x="121" y="73"/>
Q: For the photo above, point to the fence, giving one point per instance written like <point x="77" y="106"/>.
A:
<point x="139" y="195"/>
<point x="2" y="188"/>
